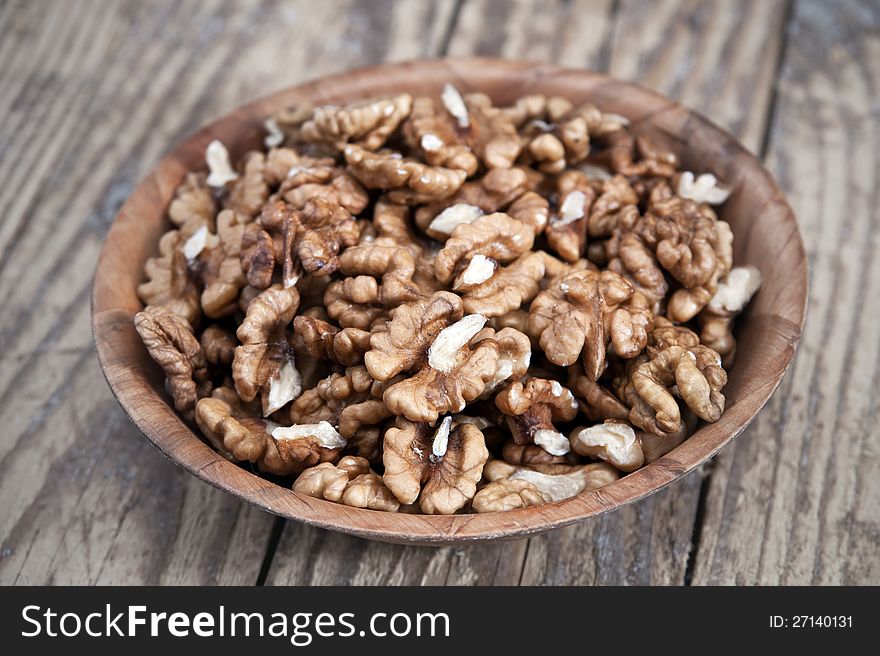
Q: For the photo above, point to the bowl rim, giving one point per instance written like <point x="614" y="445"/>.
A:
<point x="127" y="375"/>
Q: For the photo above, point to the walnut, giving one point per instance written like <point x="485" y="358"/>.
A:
<point x="575" y="480"/>
<point x="257" y="256"/>
<point x="532" y="454"/>
<point x="583" y="312"/>
<point x="628" y="256"/>
<point x="305" y="445"/>
<point x="326" y="400"/>
<point x="638" y="156"/>
<point x="531" y="208"/>
<point x="518" y="319"/>
<point x="410" y="333"/>
<point x="567" y="229"/>
<point x="319" y="403"/>
<point x="496" y="470"/>
<point x="274" y="136"/>
<point x="317" y="179"/>
<point x="193" y="206"/>
<point x="219" y="268"/>
<point x="367" y="123"/>
<point x="361" y="424"/>
<point x="514" y="355"/>
<point x="369" y="491"/>
<point x="614" y="442"/>
<point x="394" y="264"/>
<point x="559" y="133"/>
<point x="342" y="299"/>
<point x="249" y="192"/>
<point x="497" y="189"/>
<point x="460" y="366"/>
<point x="328" y="481"/>
<point x="537" y="107"/>
<point x="264" y="363"/>
<point x="439" y="468"/>
<point x="533" y="407"/>
<point x="508" y="494"/>
<point x="495" y="236"/>
<point x="597" y="173"/>
<point x="734" y="292"/>
<point x="248" y="294"/>
<point x="543" y="484"/>
<point x="701" y="189"/>
<point x="405" y="180"/>
<point x="344" y="346"/>
<point x="555" y="269"/>
<point x="545" y="149"/>
<point x="599" y="403"/>
<point x="489" y="130"/>
<point x="316" y="234"/>
<point x="288" y="168"/>
<point x="351" y="402"/>
<point x="434" y="135"/>
<point x="655" y="446"/>
<point x="393" y="228"/>
<point x="218" y="344"/>
<point x="454" y="104"/>
<point x="630" y="324"/>
<point x="605" y="214"/>
<point x="214" y="418"/>
<point x="305" y="240"/>
<point x="220" y="171"/>
<point x="453" y="216"/>
<point x="674" y="363"/>
<point x="578" y="125"/>
<point x="291" y="119"/>
<point x="171" y="343"/>
<point x="234" y="433"/>
<point x="695" y="248"/>
<point x="493" y="290"/>
<point x="170" y="282"/>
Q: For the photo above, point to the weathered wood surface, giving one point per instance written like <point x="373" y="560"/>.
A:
<point x="92" y="93"/>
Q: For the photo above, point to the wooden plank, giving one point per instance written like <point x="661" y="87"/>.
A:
<point x="798" y="500"/>
<point x="648" y="542"/>
<point x="93" y="94"/>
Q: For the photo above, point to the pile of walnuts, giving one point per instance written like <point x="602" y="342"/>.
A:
<point x="439" y="305"/>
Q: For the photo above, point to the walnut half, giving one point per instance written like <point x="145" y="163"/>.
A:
<point x="531" y="409"/>
<point x="520" y="487"/>
<point x="438" y="467"/>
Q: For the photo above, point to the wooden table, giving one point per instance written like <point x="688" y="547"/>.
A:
<point x="92" y="93"/>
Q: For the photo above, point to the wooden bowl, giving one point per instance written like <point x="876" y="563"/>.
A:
<point x="763" y="223"/>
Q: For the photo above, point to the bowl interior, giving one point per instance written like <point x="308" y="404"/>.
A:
<point x="766" y="236"/>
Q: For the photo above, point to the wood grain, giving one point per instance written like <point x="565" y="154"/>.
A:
<point x="796" y="500"/>
<point x="93" y="94"/>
